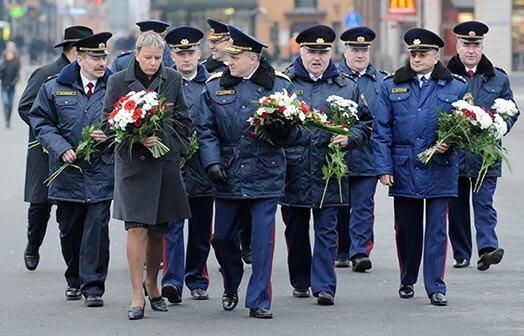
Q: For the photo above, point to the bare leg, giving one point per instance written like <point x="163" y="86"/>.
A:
<point x="154" y="250"/>
<point x="136" y="256"/>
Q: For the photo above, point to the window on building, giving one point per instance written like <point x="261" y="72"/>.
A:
<point x="306" y="4"/>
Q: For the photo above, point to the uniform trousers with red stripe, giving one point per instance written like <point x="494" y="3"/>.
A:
<point x="227" y="249"/>
<point x="412" y="240"/>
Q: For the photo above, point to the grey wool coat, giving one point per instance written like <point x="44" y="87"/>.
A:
<point x="149" y="190"/>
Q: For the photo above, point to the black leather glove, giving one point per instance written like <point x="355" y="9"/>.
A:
<point x="217" y="173"/>
<point x="278" y="132"/>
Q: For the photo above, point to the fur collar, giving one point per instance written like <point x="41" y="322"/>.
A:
<point x="484" y="67"/>
<point x="213" y="65"/>
<point x="406" y="74"/>
<point x="263" y="76"/>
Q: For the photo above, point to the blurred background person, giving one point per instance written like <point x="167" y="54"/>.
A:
<point x="9" y="74"/>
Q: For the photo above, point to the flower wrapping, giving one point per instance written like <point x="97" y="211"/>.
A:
<point x="139" y="115"/>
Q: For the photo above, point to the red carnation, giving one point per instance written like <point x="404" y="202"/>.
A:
<point x="138" y="123"/>
<point x="265" y="115"/>
<point x="153" y="111"/>
<point x="256" y="121"/>
<point x="304" y="107"/>
<point x="281" y="109"/>
<point x="130" y="105"/>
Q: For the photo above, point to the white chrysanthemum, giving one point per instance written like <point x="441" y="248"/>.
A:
<point x="484" y="120"/>
<point x="499" y="127"/>
<point x="505" y="107"/>
<point x="462" y="104"/>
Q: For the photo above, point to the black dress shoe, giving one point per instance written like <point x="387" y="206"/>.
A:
<point x="73" y="294"/>
<point x="490" y="258"/>
<point x="461" y="263"/>
<point x="342" y="263"/>
<point x="325" y="299"/>
<point x="94" y="301"/>
<point x="199" y="294"/>
<point x="171" y="293"/>
<point x="438" y="299"/>
<point x="229" y="301"/>
<point x="301" y="292"/>
<point x="31" y="258"/>
<point x="361" y="263"/>
<point x="261" y="313"/>
<point x="136" y="313"/>
<point x="406" y="291"/>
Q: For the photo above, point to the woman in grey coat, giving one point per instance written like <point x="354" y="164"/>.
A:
<point x="149" y="192"/>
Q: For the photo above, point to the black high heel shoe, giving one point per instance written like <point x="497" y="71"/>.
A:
<point x="157" y="303"/>
<point x="136" y="312"/>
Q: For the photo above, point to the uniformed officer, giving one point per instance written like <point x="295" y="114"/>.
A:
<point x="219" y="38"/>
<point x="315" y="77"/>
<point x="64" y="106"/>
<point x="406" y="122"/>
<point x="185" y="52"/>
<point x="486" y="83"/>
<point x="37" y="165"/>
<point x="360" y="215"/>
<point x="121" y="62"/>
<point x="247" y="171"/>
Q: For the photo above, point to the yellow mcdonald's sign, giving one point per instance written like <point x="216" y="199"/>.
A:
<point x="403" y="7"/>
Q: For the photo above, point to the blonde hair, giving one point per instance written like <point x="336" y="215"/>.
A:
<point x="149" y="39"/>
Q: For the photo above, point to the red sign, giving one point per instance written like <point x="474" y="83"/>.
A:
<point x="403" y="7"/>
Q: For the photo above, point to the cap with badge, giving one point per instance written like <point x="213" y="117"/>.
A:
<point x="73" y="34"/>
<point x="184" y="38"/>
<point x="420" y="39"/>
<point x="317" y="37"/>
<point x="218" y="30"/>
<point x="471" y="31"/>
<point x="243" y="42"/>
<point x="94" y="45"/>
<point x="157" y="26"/>
<point x="358" y="37"/>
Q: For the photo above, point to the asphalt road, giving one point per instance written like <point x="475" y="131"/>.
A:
<point x="480" y="303"/>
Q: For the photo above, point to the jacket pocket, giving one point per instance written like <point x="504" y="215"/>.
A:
<point x="225" y="99"/>
<point x="442" y="160"/>
<point x="399" y="160"/>
<point x="493" y="89"/>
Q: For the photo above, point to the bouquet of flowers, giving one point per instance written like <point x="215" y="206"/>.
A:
<point x="85" y="150"/>
<point x="279" y="107"/>
<point x="474" y="128"/>
<point x="139" y="115"/>
<point x="344" y="114"/>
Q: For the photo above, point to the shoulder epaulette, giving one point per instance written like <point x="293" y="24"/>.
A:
<point x="124" y="53"/>
<point x="50" y="77"/>
<point x="389" y="76"/>
<point x="347" y="76"/>
<point x="384" y="72"/>
<point x="214" y="75"/>
<point x="283" y="75"/>
<point x="459" y="77"/>
<point x="501" y="70"/>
